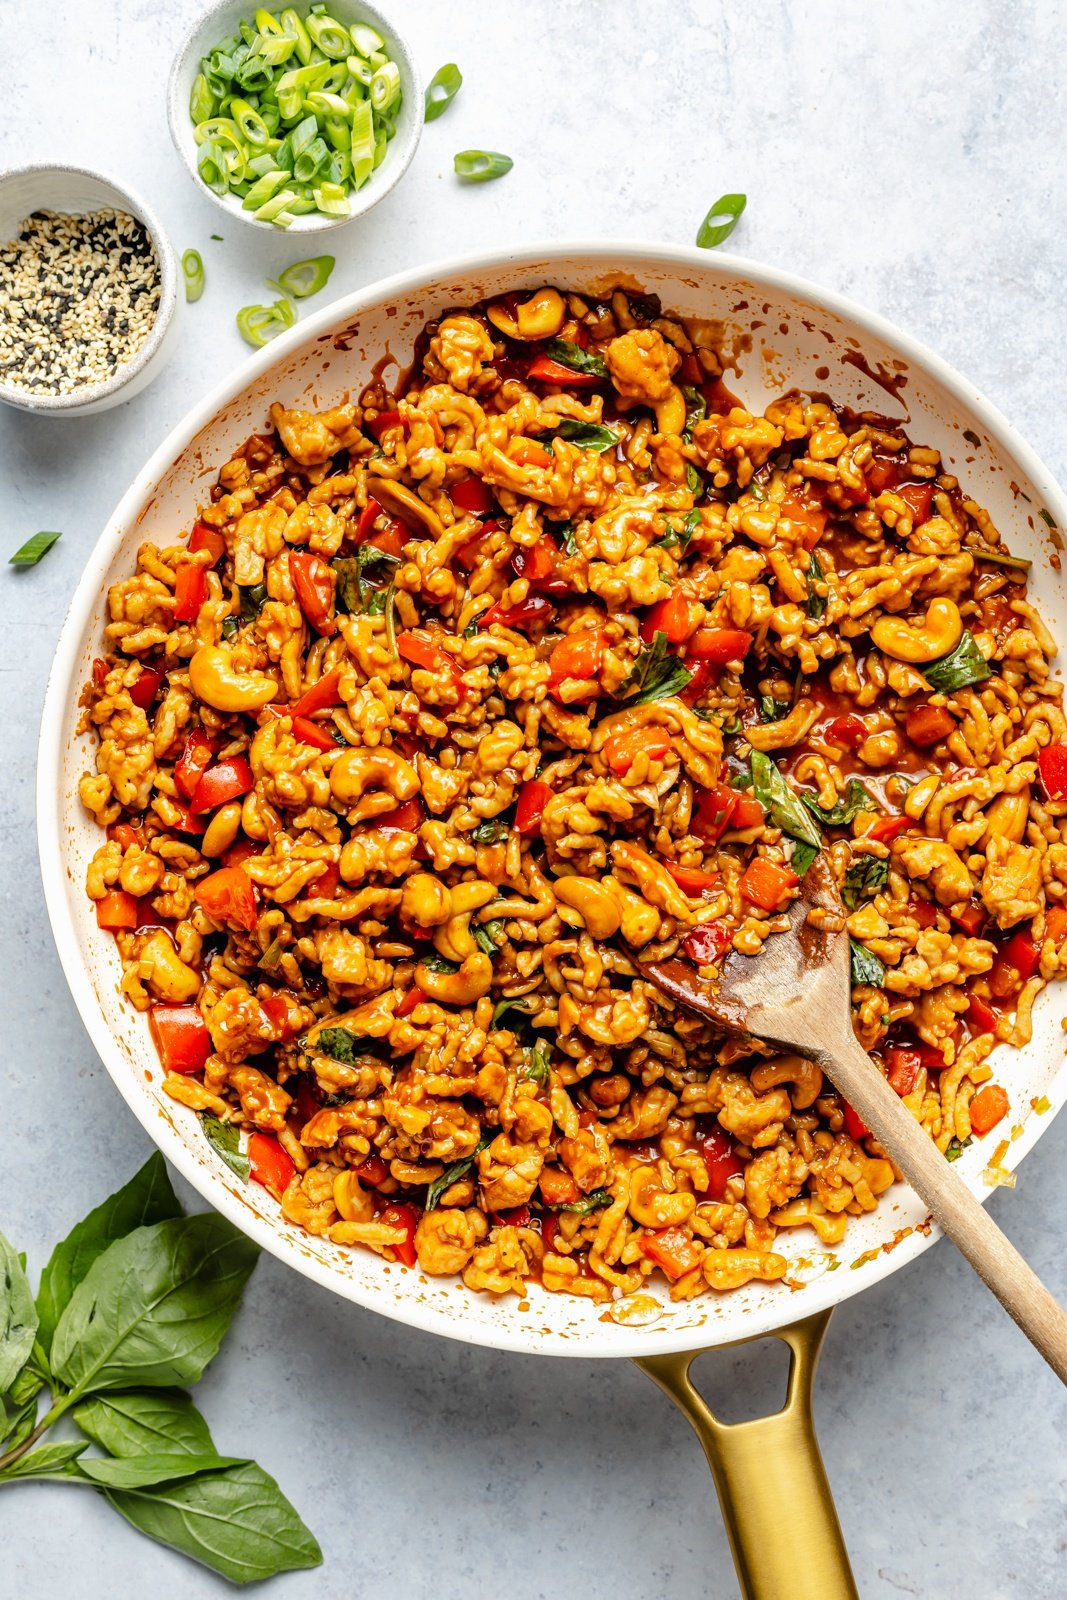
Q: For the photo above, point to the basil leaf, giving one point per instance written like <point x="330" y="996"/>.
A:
<point x="524" y="1006"/>
<point x="572" y="355"/>
<point x="803" y="856"/>
<point x="31" y="552"/>
<point x="347" y="570"/>
<point x="18" y="1316"/>
<point x="866" y="967"/>
<point x="816" y="601"/>
<point x="539" y="1066"/>
<point x="253" y="599"/>
<point x="696" y="409"/>
<point x="455" y="1171"/>
<point x="782" y="806"/>
<point x="147" y="1471"/>
<point x="960" y="668"/>
<point x="30" y="1381"/>
<point x="739" y="773"/>
<point x="596" y="1200"/>
<point x="225" y="1140"/>
<point x="231" y="627"/>
<point x="154" y="1308"/>
<point x="493" y="832"/>
<point x="721" y="220"/>
<point x="586" y="435"/>
<point x="435" y="963"/>
<point x="140" y="1422"/>
<point x="16" y="1429"/>
<point x="863" y="879"/>
<point x="770" y="710"/>
<point x="50" y="1458"/>
<point x="677" y="536"/>
<point x="337" y="1043"/>
<point x="236" y="1521"/>
<point x="570" y="538"/>
<point x="842" y="812"/>
<point x="489" y="936"/>
<point x="356" y="589"/>
<point x="956" y="1147"/>
<point x="693" y="479"/>
<point x="147" y="1198"/>
<point x="655" y="674"/>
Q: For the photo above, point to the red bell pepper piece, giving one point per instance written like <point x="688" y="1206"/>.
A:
<point x="537" y="564"/>
<point x="181" y="1037"/>
<point x="373" y="1171"/>
<point x="809" y="514"/>
<point x="748" y="813"/>
<point x="918" y="498"/>
<point x="116" y="910"/>
<point x="188" y="820"/>
<point x="545" y="370"/>
<point x="229" y="896"/>
<point x="193" y="762"/>
<point x="534" y="609"/>
<point x="516" y="1217"/>
<point x="672" y="1250"/>
<point x="904" y="1062"/>
<point x="313" y="733"/>
<point x="1052" y="765"/>
<point x="982" y="1015"/>
<point x="928" y="725"/>
<point x="417" y="645"/>
<point x="622" y="749"/>
<point x="855" y="1126"/>
<point x="720" y="645"/>
<point x="204" y="537"/>
<point x="190" y="591"/>
<point x="720" y="1159"/>
<point x="271" y="1165"/>
<point x="549" y="1229"/>
<point x="528" y="453"/>
<point x="989" y="1105"/>
<point x="226" y="780"/>
<point x="533" y="798"/>
<point x="708" y="943"/>
<point x="320" y="697"/>
<point x="887" y="828"/>
<point x="765" y="884"/>
<point x="705" y="675"/>
<point x="674" y="617"/>
<point x="577" y="656"/>
<point x="408" y="816"/>
<point x="383" y="421"/>
<point x="473" y="496"/>
<point x="367" y="519"/>
<point x="558" y="1188"/>
<point x="1016" y="961"/>
<point x="413" y="998"/>
<point x="240" y="851"/>
<point x="848" y="731"/>
<point x="971" y="918"/>
<point x="146" y="688"/>
<point x="100" y="671"/>
<point x="325" y="886"/>
<point x="315" y="585"/>
<point x="691" y="880"/>
<point x="406" y="1217"/>
<point x="714" y="810"/>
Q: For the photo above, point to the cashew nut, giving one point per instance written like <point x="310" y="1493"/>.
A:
<point x="222" y="830"/>
<point x="215" y="680"/>
<point x="640" y="921"/>
<point x="540" y="317"/>
<point x="425" y="900"/>
<point x="462" y="988"/>
<point x="454" y="940"/>
<point x="1007" y="816"/>
<point x="729" y="1269"/>
<point x="163" y="970"/>
<point x="804" y="1075"/>
<point x="356" y="771"/>
<point x="406" y="505"/>
<point x="940" y="632"/>
<point x="650" y="1205"/>
<point x="253" y="821"/>
<point x="593" y="902"/>
<point x="670" y="413"/>
<point x="351" y="1199"/>
<point x="918" y="798"/>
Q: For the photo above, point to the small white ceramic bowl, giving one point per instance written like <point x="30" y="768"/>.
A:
<point x="223" y="20"/>
<point x="74" y="190"/>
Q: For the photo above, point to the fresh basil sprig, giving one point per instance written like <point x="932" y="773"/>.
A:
<point x="569" y="354"/>
<point x="523" y="1006"/>
<point x="782" y="806"/>
<point x="654" y="675"/>
<point x="678" y="535"/>
<point x="454" y="1171"/>
<point x="225" y="1139"/>
<point x="960" y="668"/>
<point x="586" y="435"/>
<point x="863" y="879"/>
<point x="337" y="1043"/>
<point x="845" y="810"/>
<point x="866" y="967"/>
<point x="136" y="1300"/>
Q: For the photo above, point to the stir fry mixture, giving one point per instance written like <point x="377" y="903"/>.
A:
<point x="460" y="702"/>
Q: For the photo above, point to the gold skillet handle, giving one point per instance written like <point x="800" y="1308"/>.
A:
<point x="772" y="1486"/>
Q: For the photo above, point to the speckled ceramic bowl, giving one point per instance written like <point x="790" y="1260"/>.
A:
<point x="776" y="332"/>
<point x="75" y="190"/>
<point x="223" y="20"/>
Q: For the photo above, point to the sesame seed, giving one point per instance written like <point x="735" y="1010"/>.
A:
<point x="78" y="298"/>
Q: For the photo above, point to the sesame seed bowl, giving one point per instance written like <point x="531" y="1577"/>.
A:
<point x="88" y="291"/>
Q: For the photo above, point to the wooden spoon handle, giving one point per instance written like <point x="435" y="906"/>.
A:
<point x="952" y="1205"/>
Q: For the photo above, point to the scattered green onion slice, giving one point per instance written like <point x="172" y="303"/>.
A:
<point x="721" y="220"/>
<point x="258" y="325"/>
<point x="478" y="166"/>
<point x="442" y="90"/>
<point x="306" y="277"/>
<point x="193" y="272"/>
<point x="32" y="551"/>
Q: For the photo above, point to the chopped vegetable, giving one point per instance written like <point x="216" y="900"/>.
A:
<point x="1052" y="765"/>
<point x="225" y="1139"/>
<point x="654" y="675"/>
<point x="226" y="780"/>
<point x="845" y="810"/>
<point x="340" y="1044"/>
<point x="305" y="278"/>
<point x="708" y="943"/>
<point x="454" y="1171"/>
<point x="533" y="798"/>
<point x="586" y="435"/>
<point x="269" y="1164"/>
<point x="816" y="600"/>
<point x="928" y="725"/>
<point x="315" y="586"/>
<point x="720" y="645"/>
<point x="863" y="878"/>
<point x="960" y="668"/>
<point x="228" y="896"/>
<point x="782" y="806"/>
<point x="988" y="1107"/>
<point x="721" y="220"/>
<point x="479" y="166"/>
<point x="672" y="1250"/>
<point x="258" y="325"/>
<point x="405" y="1217"/>
<point x="116" y="910"/>
<point x="441" y="90"/>
<point x="622" y="749"/>
<point x="720" y="1159"/>
<point x="866" y="967"/>
<point x="30" y="553"/>
<point x="539" y="1066"/>
<point x="855" y="1126"/>
<point x="193" y="273"/>
<point x="765" y="884"/>
<point x="181" y="1037"/>
<point x="595" y="1200"/>
<point x="572" y="356"/>
<point x="190" y="591"/>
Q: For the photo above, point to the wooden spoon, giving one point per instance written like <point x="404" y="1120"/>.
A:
<point x="795" y="995"/>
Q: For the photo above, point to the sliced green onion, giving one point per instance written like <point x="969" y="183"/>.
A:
<point x="478" y="166"/>
<point x="212" y="168"/>
<point x="385" y="86"/>
<point x="201" y="100"/>
<point x="293" y="23"/>
<point x="31" y="552"/>
<point x="360" y="71"/>
<point x="249" y="122"/>
<point x="264" y="189"/>
<point x="306" y="277"/>
<point x="332" y="39"/>
<point x="366" y="40"/>
<point x="215" y="128"/>
<point x="274" y="206"/>
<point x="332" y="200"/>
<point x="257" y="325"/>
<point x="721" y="220"/>
<point x="312" y="162"/>
<point x="362" y="152"/>
<point x="441" y="90"/>
<point x="254" y="74"/>
<point x="193" y="273"/>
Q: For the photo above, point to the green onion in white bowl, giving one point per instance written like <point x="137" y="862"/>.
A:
<point x="295" y="118"/>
